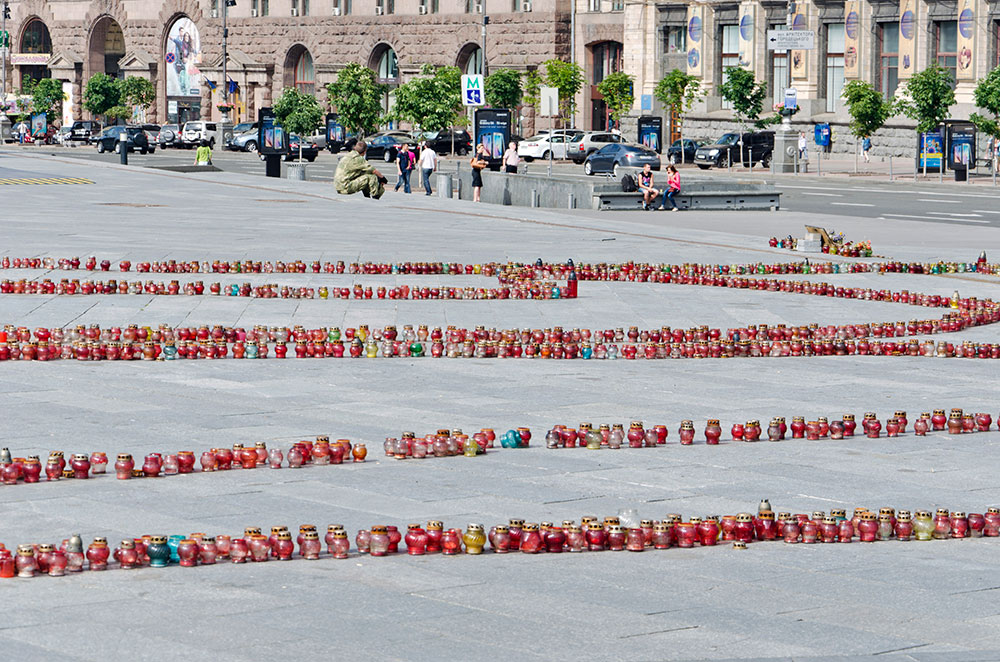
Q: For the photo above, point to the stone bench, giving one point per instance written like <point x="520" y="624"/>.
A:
<point x="714" y="194"/>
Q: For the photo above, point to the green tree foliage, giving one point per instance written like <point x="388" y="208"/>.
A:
<point x="746" y="95"/>
<point x="358" y="99"/>
<point x="432" y="100"/>
<point x="102" y="96"/>
<point x="929" y="95"/>
<point x="532" y="81"/>
<point x="868" y="108"/>
<point x="46" y="97"/>
<point x="503" y="89"/>
<point x="678" y="91"/>
<point x="616" y="89"/>
<point x="567" y="77"/>
<point x="298" y="113"/>
<point x="987" y="97"/>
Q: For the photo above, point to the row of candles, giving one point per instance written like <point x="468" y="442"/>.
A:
<point x="515" y="289"/>
<point x="322" y="452"/>
<point x="590" y="535"/>
<point x="626" y="270"/>
<point x="638" y="435"/>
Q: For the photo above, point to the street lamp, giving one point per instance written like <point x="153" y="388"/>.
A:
<point x="5" y="41"/>
<point x="227" y="129"/>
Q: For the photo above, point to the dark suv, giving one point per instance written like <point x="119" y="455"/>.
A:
<point x="756" y="148"/>
<point x="440" y="141"/>
<point x="136" y="141"/>
<point x="84" y="130"/>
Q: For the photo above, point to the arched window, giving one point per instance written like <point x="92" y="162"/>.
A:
<point x="474" y="61"/>
<point x="607" y="59"/>
<point x="305" y="76"/>
<point x="36" y="38"/>
<point x="388" y="67"/>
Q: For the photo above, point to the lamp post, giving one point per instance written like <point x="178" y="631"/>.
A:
<point x="227" y="124"/>
<point x="4" y="121"/>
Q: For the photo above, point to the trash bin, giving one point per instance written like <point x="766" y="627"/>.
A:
<point x="961" y="174"/>
<point x="296" y="171"/>
<point x="443" y="184"/>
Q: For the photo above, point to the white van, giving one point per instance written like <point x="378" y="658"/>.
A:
<point x="195" y="132"/>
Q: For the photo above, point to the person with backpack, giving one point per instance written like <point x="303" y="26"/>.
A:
<point x="404" y="166"/>
<point x="645" y="185"/>
<point x="673" y="188"/>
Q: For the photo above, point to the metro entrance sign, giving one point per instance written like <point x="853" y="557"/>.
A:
<point x="791" y="40"/>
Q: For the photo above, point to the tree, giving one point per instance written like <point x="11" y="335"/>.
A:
<point x="137" y="92"/>
<point x="868" y="109"/>
<point x="102" y="94"/>
<point x="503" y="89"/>
<point x="431" y="101"/>
<point x="616" y="89"/>
<point x="678" y="91"/>
<point x="567" y="77"/>
<point x="987" y="97"/>
<point x="928" y="97"/>
<point x="298" y="113"/>
<point x="746" y="96"/>
<point x="358" y="98"/>
<point x="46" y="97"/>
<point x="532" y="82"/>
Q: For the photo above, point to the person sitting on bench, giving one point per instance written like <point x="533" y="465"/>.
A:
<point x="646" y="187"/>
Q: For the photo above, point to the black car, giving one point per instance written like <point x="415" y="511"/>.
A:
<point x="169" y="136"/>
<point x="441" y="141"/>
<point x="612" y="157"/>
<point x="136" y="141"/>
<point x="385" y="147"/>
<point x="690" y="147"/>
<point x="309" y="149"/>
<point x="85" y="130"/>
<point x="756" y="148"/>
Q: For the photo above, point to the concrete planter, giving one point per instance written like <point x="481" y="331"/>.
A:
<point x="296" y="171"/>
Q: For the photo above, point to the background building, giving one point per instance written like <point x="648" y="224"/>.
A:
<point x="274" y="44"/>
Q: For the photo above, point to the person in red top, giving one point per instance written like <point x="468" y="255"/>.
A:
<point x="645" y="183"/>
<point x="673" y="188"/>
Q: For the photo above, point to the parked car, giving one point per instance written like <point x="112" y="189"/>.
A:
<point x="136" y="141"/>
<point x="612" y="157"/>
<point x="195" y="132"/>
<point x="542" y="145"/>
<point x="756" y="148"/>
<point x="386" y="146"/>
<point x="440" y="141"/>
<point x="309" y="149"/>
<point x="170" y="136"/>
<point x="63" y="135"/>
<point x="691" y="146"/>
<point x="152" y="133"/>
<point x="243" y="128"/>
<point x="590" y="142"/>
<point x="244" y="142"/>
<point x="85" y="130"/>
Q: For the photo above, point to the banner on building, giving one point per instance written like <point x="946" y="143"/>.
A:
<point x="34" y="59"/>
<point x="696" y="38"/>
<point x="852" y="34"/>
<point x="800" y="21"/>
<point x="966" y="39"/>
<point x="907" y="38"/>
<point x="748" y="34"/>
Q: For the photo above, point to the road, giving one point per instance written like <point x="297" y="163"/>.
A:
<point x="926" y="201"/>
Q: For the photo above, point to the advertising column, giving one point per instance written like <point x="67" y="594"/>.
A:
<point x="852" y="32"/>
<point x="695" y="36"/>
<point x="907" y="38"/>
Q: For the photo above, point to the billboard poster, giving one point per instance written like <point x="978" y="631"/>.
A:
<point x="961" y="146"/>
<point x="695" y="35"/>
<point x="907" y="38"/>
<point x="966" y="39"/>
<point x="183" y="57"/>
<point x="39" y="124"/>
<point x="493" y="131"/>
<point x="271" y="138"/>
<point x="852" y="34"/>
<point x="334" y="131"/>
<point x="931" y="150"/>
<point x="748" y="34"/>
<point x="651" y="132"/>
<point x="800" y="21"/>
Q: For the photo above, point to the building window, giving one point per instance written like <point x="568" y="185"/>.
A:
<point x="254" y="8"/>
<point x="305" y="77"/>
<point x="674" y="39"/>
<point x="594" y="5"/>
<point x="435" y="6"/>
<point x="779" y="70"/>
<point x="474" y="62"/>
<point x="946" y="46"/>
<point x="215" y="7"/>
<point x="341" y="7"/>
<point x="617" y="5"/>
<point x="305" y="7"/>
<point x="390" y="6"/>
<point x="730" y="53"/>
<point x="834" y="65"/>
<point x="607" y="59"/>
<point x="473" y="7"/>
<point x="265" y="7"/>
<point x="996" y="44"/>
<point x="888" y="50"/>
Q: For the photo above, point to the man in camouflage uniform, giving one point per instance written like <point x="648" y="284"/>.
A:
<point x="354" y="174"/>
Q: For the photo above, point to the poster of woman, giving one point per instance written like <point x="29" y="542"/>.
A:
<point x="183" y="56"/>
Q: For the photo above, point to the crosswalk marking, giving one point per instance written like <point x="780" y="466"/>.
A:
<point x="32" y="181"/>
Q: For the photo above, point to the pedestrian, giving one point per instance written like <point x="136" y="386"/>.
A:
<point x="354" y="174"/>
<point x="203" y="155"/>
<point x="646" y="187"/>
<point x="673" y="188"/>
<point x="803" y="151"/>
<point x="22" y="131"/>
<point x="428" y="164"/>
<point x="478" y="161"/>
<point x="866" y="145"/>
<point x="510" y="159"/>
<point x="404" y="166"/>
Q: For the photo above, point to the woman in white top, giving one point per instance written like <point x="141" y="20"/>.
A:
<point x="510" y="158"/>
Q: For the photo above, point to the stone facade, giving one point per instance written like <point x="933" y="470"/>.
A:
<point x="263" y="51"/>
